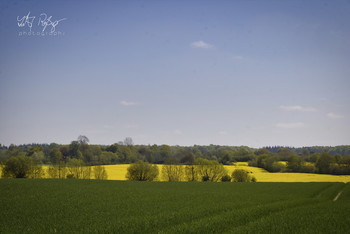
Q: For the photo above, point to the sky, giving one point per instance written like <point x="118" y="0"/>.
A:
<point x="254" y="73"/>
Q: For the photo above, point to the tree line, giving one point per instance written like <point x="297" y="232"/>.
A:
<point x="202" y="170"/>
<point x="286" y="160"/>
<point x="26" y="167"/>
<point x="317" y="159"/>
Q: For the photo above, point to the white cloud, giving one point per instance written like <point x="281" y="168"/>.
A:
<point x="298" y="108"/>
<point x="127" y="103"/>
<point x="334" y="116"/>
<point x="290" y="125"/>
<point x="201" y="44"/>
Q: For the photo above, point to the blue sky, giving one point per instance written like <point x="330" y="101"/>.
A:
<point x="253" y="73"/>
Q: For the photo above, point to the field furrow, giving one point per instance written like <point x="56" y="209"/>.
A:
<point x="90" y="206"/>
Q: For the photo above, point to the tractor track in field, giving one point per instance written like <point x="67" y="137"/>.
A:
<point x="315" y="199"/>
<point x="338" y="195"/>
<point x="323" y="192"/>
<point x="240" y="228"/>
<point x="259" y="209"/>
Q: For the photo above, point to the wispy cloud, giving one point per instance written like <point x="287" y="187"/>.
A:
<point x="290" y="125"/>
<point x="127" y="103"/>
<point x="201" y="44"/>
<point x="298" y="108"/>
<point x="334" y="116"/>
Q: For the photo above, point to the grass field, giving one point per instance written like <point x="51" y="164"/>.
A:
<point x="91" y="206"/>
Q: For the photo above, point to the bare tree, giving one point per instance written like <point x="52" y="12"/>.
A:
<point x="128" y="141"/>
<point x="83" y="139"/>
<point x="172" y="172"/>
<point x="100" y="173"/>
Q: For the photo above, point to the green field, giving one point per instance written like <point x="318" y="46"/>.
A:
<point x="91" y="206"/>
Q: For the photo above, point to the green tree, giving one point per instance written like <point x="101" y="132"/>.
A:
<point x="188" y="158"/>
<point x="128" y="154"/>
<point x="324" y="162"/>
<point x="74" y="151"/>
<point x="107" y="157"/>
<point x="38" y="156"/>
<point x="278" y="167"/>
<point x="55" y="155"/>
<point x="305" y="152"/>
<point x="18" y="167"/>
<point x="285" y="153"/>
<point x="270" y="164"/>
<point x="262" y="151"/>
<point x="142" y="171"/>
<point x="294" y="163"/>
<point x="240" y="175"/>
<point x="260" y="160"/>
<point x="225" y="157"/>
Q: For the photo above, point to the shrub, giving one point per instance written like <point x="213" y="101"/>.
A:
<point x="142" y="171"/>
<point x="305" y="168"/>
<point x="210" y="169"/>
<point x="18" y="167"/>
<point x="278" y="167"/>
<point x="205" y="178"/>
<point x="240" y="175"/>
<point x="226" y="178"/>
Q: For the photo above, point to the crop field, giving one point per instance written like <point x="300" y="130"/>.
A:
<point x="92" y="206"/>
<point x="118" y="172"/>
<point x="264" y="176"/>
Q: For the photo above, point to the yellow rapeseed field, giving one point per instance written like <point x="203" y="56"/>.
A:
<point x="265" y="176"/>
<point x="118" y="172"/>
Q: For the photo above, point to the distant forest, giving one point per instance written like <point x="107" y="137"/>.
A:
<point x="315" y="159"/>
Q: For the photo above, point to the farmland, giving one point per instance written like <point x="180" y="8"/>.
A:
<point x="118" y="172"/>
<point x="86" y="206"/>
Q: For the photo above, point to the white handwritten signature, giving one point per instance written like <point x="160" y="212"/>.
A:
<point x="44" y="21"/>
